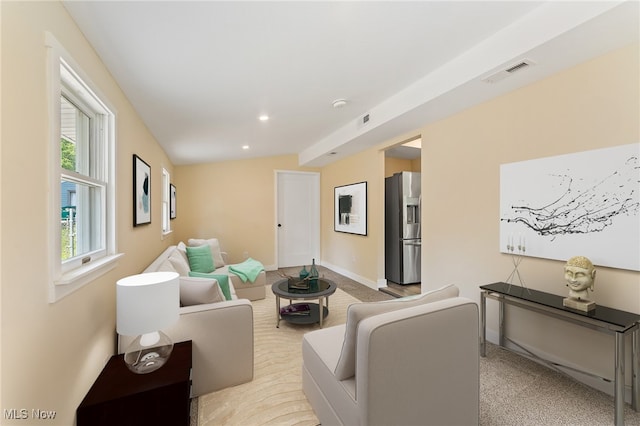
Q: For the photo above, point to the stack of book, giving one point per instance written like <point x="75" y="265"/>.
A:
<point x="295" y="284"/>
<point x="296" y="309"/>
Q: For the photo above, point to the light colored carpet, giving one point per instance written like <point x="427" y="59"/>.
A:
<point x="517" y="391"/>
<point x="513" y="389"/>
<point x="275" y="396"/>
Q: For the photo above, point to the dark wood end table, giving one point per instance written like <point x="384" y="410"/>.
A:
<point x="121" y="397"/>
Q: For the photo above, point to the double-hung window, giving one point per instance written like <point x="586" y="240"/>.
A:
<point x="82" y="178"/>
<point x="83" y="184"/>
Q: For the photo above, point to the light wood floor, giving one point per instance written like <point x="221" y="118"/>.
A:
<point x="399" y="290"/>
<point x="357" y="290"/>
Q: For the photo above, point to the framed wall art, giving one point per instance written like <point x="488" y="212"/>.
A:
<point x="580" y="204"/>
<point x="350" y="208"/>
<point x="172" y="201"/>
<point x="141" y="192"/>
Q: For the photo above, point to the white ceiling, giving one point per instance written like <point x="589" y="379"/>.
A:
<point x="200" y="73"/>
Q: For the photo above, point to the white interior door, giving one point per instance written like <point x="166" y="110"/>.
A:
<point x="298" y="218"/>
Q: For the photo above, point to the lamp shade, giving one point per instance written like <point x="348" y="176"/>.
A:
<point x="147" y="302"/>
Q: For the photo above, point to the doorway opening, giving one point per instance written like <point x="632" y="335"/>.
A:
<point x="402" y="229"/>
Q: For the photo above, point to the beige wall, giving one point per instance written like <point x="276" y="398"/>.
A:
<point x="52" y="353"/>
<point x="354" y="255"/>
<point x="593" y="105"/>
<point x="233" y="201"/>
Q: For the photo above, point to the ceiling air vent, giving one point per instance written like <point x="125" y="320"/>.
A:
<point x="362" y="121"/>
<point x="517" y="67"/>
<point x="511" y="69"/>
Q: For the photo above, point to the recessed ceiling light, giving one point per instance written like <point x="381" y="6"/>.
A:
<point x="245" y="147"/>
<point x="263" y="117"/>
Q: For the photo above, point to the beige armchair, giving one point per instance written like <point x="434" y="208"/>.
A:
<point x="222" y="339"/>
<point x="221" y="330"/>
<point x="413" y="365"/>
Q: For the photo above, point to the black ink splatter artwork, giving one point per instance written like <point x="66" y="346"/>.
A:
<point x="582" y="207"/>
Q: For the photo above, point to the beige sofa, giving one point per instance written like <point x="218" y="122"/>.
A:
<point x="221" y="331"/>
<point x="245" y="290"/>
<point x="397" y="363"/>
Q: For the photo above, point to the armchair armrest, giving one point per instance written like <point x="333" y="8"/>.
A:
<point x="222" y="336"/>
<point x="420" y="362"/>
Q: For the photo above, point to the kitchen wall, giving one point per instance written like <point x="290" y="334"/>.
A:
<point x="396" y="165"/>
<point x="593" y="105"/>
<point x="52" y="353"/>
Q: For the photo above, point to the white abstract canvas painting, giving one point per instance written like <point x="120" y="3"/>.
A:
<point x="586" y="204"/>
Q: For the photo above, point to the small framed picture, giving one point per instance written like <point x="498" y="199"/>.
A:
<point x="141" y="192"/>
<point x="172" y="201"/>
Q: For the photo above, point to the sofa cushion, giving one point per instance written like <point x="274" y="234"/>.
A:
<point x="223" y="282"/>
<point x="320" y="352"/>
<point x="179" y="263"/>
<point x="357" y="312"/>
<point x="200" y="259"/>
<point x="166" y="266"/>
<point x="214" y="245"/>
<point x="196" y="291"/>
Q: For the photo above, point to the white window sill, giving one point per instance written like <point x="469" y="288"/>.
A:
<point x="165" y="234"/>
<point x="78" y="278"/>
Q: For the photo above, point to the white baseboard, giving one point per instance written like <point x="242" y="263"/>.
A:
<point x="362" y="280"/>
<point x="270" y="267"/>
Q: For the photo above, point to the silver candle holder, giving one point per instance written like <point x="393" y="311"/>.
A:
<point x="517" y="252"/>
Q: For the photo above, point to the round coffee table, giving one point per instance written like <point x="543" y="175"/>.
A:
<point x="303" y="313"/>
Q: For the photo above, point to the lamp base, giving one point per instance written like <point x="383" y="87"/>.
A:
<point x="148" y="352"/>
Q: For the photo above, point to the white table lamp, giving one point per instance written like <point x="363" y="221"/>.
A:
<point x="147" y="303"/>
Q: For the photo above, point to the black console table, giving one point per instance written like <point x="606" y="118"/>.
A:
<point x="603" y="319"/>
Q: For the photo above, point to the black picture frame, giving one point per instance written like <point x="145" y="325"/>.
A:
<point x="350" y="208"/>
<point x="141" y="192"/>
<point x="172" y="201"/>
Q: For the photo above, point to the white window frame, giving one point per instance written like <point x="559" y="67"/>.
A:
<point x="96" y="135"/>
<point x="71" y="276"/>
<point x="166" y="202"/>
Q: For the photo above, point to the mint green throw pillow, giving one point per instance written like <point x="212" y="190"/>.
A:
<point x="200" y="259"/>
<point x="223" y="281"/>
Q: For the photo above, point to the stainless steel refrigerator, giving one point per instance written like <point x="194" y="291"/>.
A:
<point x="402" y="228"/>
